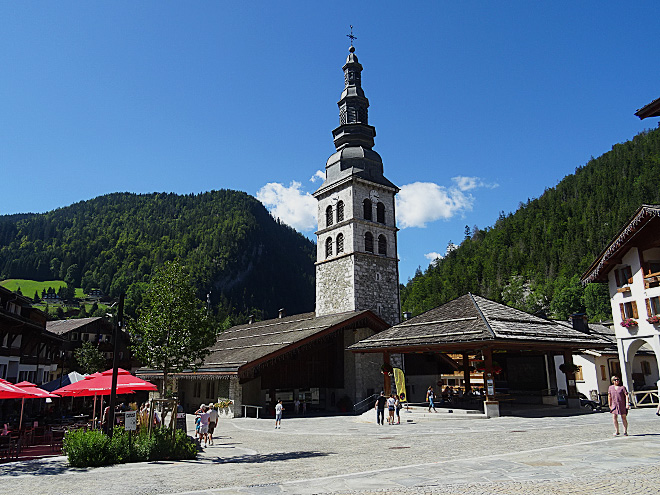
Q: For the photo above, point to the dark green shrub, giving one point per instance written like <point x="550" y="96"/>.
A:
<point x="94" y="448"/>
<point x="86" y="448"/>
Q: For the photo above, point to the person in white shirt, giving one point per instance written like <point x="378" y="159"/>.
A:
<point x="278" y="414"/>
<point x="203" y="413"/>
<point x="391" y="406"/>
<point x="213" y="421"/>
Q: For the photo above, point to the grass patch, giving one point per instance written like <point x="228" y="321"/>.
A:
<point x="28" y="287"/>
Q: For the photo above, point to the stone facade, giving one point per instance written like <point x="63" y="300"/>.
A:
<point x="357" y="264"/>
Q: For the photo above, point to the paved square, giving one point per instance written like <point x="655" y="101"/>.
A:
<point x="341" y="455"/>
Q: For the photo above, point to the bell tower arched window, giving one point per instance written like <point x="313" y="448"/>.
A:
<point x="340" y="211"/>
<point x="340" y="243"/>
<point x="328" y="247"/>
<point x="369" y="242"/>
<point x="380" y="212"/>
<point x="382" y="245"/>
<point x="367" y="209"/>
<point x="328" y="216"/>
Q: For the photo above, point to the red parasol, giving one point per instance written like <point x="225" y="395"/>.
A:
<point x="37" y="393"/>
<point x="11" y="391"/>
<point x="101" y="383"/>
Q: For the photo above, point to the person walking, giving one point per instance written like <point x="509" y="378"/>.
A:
<point x="213" y="421"/>
<point x="203" y="413"/>
<point x="429" y="398"/>
<point x="391" y="406"/>
<point x="379" y="406"/>
<point x="398" y="406"/>
<point x="619" y="402"/>
<point x="278" y="414"/>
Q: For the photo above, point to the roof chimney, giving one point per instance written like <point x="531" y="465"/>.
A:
<point x="250" y="319"/>
<point x="579" y="321"/>
<point x="282" y="313"/>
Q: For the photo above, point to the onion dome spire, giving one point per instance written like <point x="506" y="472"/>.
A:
<point x="354" y="128"/>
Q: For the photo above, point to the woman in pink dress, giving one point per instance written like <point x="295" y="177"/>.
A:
<point x="617" y="399"/>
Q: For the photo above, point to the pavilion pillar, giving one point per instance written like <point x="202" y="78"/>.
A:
<point x="387" y="381"/>
<point x="466" y="373"/>
<point x="572" y="397"/>
<point x="491" y="405"/>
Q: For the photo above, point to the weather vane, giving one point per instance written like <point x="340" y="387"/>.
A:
<point x="351" y="36"/>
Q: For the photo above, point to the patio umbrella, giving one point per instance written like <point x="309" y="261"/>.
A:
<point x="37" y="392"/>
<point x="11" y="391"/>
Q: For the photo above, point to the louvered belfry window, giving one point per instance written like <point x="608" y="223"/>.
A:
<point x="340" y="243"/>
<point x="328" y="247"/>
<point x="369" y="242"/>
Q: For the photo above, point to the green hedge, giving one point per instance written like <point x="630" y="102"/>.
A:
<point x="94" y="448"/>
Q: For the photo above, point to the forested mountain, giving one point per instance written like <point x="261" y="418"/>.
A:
<point x="227" y="240"/>
<point x="532" y="259"/>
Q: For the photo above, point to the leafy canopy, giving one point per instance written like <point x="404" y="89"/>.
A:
<point x="89" y="358"/>
<point x="173" y="330"/>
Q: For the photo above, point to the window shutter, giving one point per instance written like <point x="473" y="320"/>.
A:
<point x="648" y="308"/>
<point x="623" y="311"/>
<point x="616" y="276"/>
<point x="634" y="309"/>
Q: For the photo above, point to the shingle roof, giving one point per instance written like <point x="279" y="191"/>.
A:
<point x="471" y="319"/>
<point x="243" y="344"/>
<point x="60" y="327"/>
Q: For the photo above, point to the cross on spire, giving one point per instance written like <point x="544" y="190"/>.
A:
<point x="350" y="36"/>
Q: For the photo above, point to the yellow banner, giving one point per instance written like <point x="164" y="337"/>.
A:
<point x="400" y="381"/>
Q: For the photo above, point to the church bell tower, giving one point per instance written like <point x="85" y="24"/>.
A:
<point x="356" y="263"/>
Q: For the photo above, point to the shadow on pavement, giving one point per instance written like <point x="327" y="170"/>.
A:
<point x="278" y="456"/>
<point x="36" y="468"/>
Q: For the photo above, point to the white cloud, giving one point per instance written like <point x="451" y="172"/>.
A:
<point x="469" y="183"/>
<point x="291" y="205"/>
<point x="422" y="202"/>
<point x="319" y="175"/>
<point x="433" y="256"/>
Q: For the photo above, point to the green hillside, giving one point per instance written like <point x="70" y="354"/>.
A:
<point x="227" y="240"/>
<point x="532" y="259"/>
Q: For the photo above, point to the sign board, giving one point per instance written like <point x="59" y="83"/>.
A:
<point x="130" y="420"/>
<point x="181" y="421"/>
<point x="490" y="387"/>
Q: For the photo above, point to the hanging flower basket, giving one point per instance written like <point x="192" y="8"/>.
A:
<point x="480" y="367"/>
<point x="629" y="322"/>
<point x="568" y="368"/>
<point x="654" y="320"/>
<point x="386" y="369"/>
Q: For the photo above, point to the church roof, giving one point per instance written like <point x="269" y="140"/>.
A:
<point x="649" y="110"/>
<point x="471" y="321"/>
<point x="254" y="343"/>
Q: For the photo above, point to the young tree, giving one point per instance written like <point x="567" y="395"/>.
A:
<point x="89" y="358"/>
<point x="173" y="330"/>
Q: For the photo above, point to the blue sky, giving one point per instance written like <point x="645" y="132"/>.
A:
<point x="478" y="106"/>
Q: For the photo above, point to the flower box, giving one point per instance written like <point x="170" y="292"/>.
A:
<point x="628" y="323"/>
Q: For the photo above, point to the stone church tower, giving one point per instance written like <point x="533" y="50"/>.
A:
<point x="356" y="263"/>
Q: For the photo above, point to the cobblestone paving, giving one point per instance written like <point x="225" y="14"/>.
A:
<point x="346" y="455"/>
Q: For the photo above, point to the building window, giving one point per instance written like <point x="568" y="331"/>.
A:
<point x="603" y="373"/>
<point x="328" y="247"/>
<point x="653" y="306"/>
<point x="85" y="337"/>
<point x="340" y="211"/>
<point x="369" y="242"/>
<point x="646" y="367"/>
<point x="382" y="245"/>
<point x="380" y="213"/>
<point x="74" y="336"/>
<point x="328" y="216"/>
<point x="628" y="310"/>
<point x="340" y="243"/>
<point x="197" y="388"/>
<point x="366" y="204"/>
<point x="623" y="276"/>
<point x="210" y="389"/>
